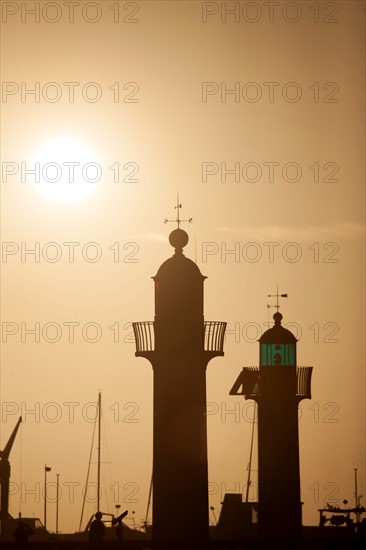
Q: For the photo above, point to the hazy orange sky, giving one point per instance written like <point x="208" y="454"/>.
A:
<point x="256" y="118"/>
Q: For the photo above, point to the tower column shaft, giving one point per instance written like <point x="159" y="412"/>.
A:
<point x="279" y="506"/>
<point x="180" y="470"/>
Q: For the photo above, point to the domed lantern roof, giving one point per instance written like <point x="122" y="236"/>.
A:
<point x="277" y="334"/>
<point x="277" y="344"/>
<point x="178" y="265"/>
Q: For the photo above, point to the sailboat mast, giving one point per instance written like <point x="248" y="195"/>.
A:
<point x="99" y="436"/>
<point x="88" y="472"/>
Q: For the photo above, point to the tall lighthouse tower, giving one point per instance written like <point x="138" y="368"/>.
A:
<point x="179" y="344"/>
<point x="277" y="386"/>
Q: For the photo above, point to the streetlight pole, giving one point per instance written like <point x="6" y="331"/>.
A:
<point x="356" y="497"/>
<point x="57" y="495"/>
<point x="46" y="469"/>
<point x="99" y="436"/>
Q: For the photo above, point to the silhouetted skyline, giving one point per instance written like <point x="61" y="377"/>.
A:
<point x="257" y="125"/>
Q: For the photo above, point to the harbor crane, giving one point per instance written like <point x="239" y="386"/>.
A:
<point x="5" y="479"/>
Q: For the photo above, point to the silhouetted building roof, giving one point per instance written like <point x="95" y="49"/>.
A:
<point x="277" y="334"/>
<point x="178" y="265"/>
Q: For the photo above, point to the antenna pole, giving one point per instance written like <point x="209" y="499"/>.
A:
<point x="46" y="469"/>
<point x="45" y="498"/>
<point x="356" y="497"/>
<point x="57" y="498"/>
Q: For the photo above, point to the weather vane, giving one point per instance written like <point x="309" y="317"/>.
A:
<point x="178" y="221"/>
<point x="277" y="306"/>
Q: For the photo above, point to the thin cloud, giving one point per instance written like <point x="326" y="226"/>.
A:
<point x="148" y="236"/>
<point x="346" y="230"/>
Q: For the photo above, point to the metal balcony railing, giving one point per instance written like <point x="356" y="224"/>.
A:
<point x="248" y="382"/>
<point x="304" y="381"/>
<point x="144" y="336"/>
<point x="214" y="333"/>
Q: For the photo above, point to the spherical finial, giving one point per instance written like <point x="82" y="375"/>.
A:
<point x="178" y="239"/>
<point x="277" y="318"/>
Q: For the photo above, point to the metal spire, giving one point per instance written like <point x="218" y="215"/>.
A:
<point x="277" y="295"/>
<point x="178" y="221"/>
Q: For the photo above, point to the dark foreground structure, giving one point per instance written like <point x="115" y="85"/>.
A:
<point x="314" y="538"/>
<point x="5" y="517"/>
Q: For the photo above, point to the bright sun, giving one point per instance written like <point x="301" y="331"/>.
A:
<point x="66" y="169"/>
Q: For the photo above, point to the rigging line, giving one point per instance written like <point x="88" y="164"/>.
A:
<point x="87" y="475"/>
<point x="250" y="458"/>
<point x="106" y="472"/>
<point x="112" y="457"/>
<point x="149" y="498"/>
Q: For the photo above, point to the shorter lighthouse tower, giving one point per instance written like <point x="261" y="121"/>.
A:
<point x="277" y="386"/>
